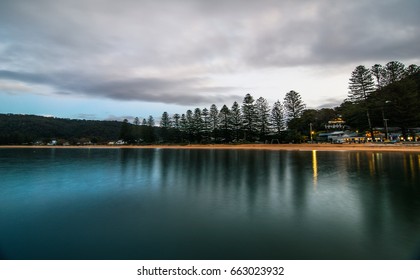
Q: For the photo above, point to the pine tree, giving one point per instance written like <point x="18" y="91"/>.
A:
<point x="248" y="116"/>
<point x="149" y="131"/>
<point x="293" y="105"/>
<point x="197" y="124"/>
<point x="165" y="124"/>
<point x="165" y="121"/>
<point x="189" y="124"/>
<point x="224" y="118"/>
<point x="361" y="85"/>
<point x="378" y="72"/>
<point x="183" y="123"/>
<point x="277" y="117"/>
<point x="176" y="119"/>
<point x="235" y="119"/>
<point x="206" y="122"/>
<point x="262" y="110"/>
<point x="213" y="117"/>
<point x="394" y="71"/>
<point x="412" y="69"/>
<point x="150" y="121"/>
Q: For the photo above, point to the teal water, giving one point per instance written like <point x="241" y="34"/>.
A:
<point x="208" y="204"/>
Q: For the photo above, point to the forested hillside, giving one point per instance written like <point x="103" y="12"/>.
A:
<point x="29" y="129"/>
<point x="388" y="94"/>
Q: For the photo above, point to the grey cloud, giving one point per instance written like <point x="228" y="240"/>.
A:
<point x="25" y="77"/>
<point x="342" y="32"/>
<point x="372" y="31"/>
<point x="263" y="33"/>
<point x="166" y="51"/>
<point x="330" y="103"/>
<point x="183" y="91"/>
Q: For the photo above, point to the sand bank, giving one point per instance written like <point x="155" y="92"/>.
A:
<point x="274" y="147"/>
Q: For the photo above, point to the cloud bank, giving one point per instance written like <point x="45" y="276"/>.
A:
<point x="172" y="51"/>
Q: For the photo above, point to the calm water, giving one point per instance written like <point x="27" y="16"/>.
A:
<point x="208" y="204"/>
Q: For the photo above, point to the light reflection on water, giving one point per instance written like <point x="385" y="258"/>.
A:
<point x="315" y="168"/>
<point x="208" y="204"/>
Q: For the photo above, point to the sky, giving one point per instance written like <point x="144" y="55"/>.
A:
<point x="107" y="59"/>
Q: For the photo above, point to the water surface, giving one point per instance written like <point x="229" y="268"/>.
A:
<point x="208" y="204"/>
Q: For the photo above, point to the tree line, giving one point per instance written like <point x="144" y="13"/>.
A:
<point x="252" y="120"/>
<point x="378" y="96"/>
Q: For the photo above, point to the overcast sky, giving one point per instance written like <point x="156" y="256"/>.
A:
<point x="102" y="59"/>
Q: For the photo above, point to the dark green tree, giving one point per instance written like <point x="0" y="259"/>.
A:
<point x="378" y="73"/>
<point x="150" y="121"/>
<point x="412" y="69"/>
<point x="206" y="123"/>
<point x="190" y="125"/>
<point x="277" y="117"/>
<point x="248" y="117"/>
<point x="149" y="132"/>
<point x="293" y="105"/>
<point x="235" y="120"/>
<point x="183" y="126"/>
<point x="353" y="114"/>
<point x="394" y="71"/>
<point x="224" y="121"/>
<point x="197" y="125"/>
<point x="303" y="124"/>
<point x="214" y="118"/>
<point x="175" y="123"/>
<point x="165" y="121"/>
<point x="165" y="124"/>
<point x="262" y="110"/>
<point x="361" y="85"/>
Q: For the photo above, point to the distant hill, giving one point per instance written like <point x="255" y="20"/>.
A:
<point x="29" y="129"/>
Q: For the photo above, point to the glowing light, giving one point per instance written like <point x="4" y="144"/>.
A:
<point x="315" y="168"/>
<point x="372" y="164"/>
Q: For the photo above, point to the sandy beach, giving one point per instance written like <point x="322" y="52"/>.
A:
<point x="414" y="147"/>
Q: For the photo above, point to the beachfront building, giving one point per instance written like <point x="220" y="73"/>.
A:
<point x="335" y="124"/>
<point x="338" y="132"/>
<point x="340" y="137"/>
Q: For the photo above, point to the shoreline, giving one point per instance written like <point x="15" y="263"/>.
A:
<point x="271" y="147"/>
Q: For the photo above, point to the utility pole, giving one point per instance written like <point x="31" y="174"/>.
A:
<point x="310" y="131"/>
<point x="386" y="128"/>
<point x="385" y="120"/>
<point x="370" y="126"/>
